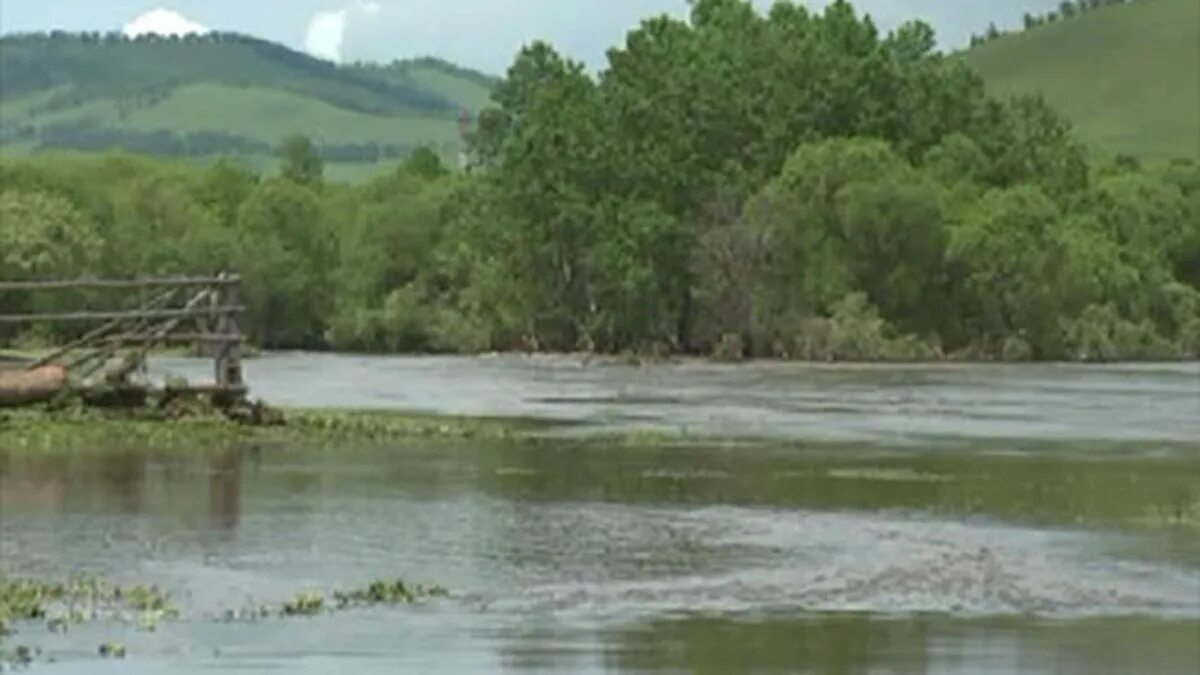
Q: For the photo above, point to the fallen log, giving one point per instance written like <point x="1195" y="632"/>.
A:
<point x="25" y="387"/>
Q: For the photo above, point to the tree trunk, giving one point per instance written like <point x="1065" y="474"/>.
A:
<point x="24" y="387"/>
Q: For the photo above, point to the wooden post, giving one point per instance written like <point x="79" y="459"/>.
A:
<point x="229" y="362"/>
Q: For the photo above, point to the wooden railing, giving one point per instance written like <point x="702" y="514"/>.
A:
<point x="199" y="311"/>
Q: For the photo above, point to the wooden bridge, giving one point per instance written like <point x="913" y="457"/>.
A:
<point x="100" y="363"/>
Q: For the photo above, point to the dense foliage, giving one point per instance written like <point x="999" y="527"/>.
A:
<point x="792" y="184"/>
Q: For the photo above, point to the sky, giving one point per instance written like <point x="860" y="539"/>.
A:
<point x="480" y="34"/>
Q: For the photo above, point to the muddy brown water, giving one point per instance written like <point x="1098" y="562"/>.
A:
<point x="948" y="519"/>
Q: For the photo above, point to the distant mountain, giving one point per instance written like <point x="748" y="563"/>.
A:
<point x="1127" y="74"/>
<point x="201" y="96"/>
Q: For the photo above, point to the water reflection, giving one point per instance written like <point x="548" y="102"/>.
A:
<point x="856" y="644"/>
<point x="835" y="645"/>
<point x="225" y="491"/>
<point x="128" y="483"/>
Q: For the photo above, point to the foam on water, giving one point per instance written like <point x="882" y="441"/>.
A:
<point x="887" y="565"/>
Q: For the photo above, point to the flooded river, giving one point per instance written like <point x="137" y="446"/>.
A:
<point x="942" y="519"/>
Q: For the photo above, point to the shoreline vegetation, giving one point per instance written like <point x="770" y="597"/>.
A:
<point x="899" y="353"/>
<point x="807" y="187"/>
<point x="200" y="427"/>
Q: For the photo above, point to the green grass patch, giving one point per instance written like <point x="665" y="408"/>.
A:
<point x="271" y="114"/>
<point x="1128" y="76"/>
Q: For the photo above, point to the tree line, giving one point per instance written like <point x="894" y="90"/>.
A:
<point x="1067" y="9"/>
<point x="791" y="184"/>
<point x="88" y="136"/>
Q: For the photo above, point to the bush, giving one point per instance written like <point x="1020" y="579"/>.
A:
<point x="402" y="324"/>
<point x="1189" y="339"/>
<point x="730" y="349"/>
<point x="1101" y="334"/>
<point x="855" y="332"/>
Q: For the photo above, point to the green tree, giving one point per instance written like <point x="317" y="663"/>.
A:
<point x="300" y="160"/>
<point x="285" y="255"/>
<point x="1010" y="256"/>
<point x="849" y="215"/>
<point x="43" y="236"/>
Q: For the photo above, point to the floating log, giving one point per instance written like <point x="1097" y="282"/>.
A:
<point x="31" y="386"/>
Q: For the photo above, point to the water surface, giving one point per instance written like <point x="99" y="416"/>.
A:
<point x="913" y="519"/>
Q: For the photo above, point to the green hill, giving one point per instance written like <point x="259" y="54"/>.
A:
<point x="224" y="94"/>
<point x="1128" y="74"/>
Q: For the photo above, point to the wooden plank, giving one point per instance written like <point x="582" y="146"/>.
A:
<point x="145" y="282"/>
<point x="155" y="314"/>
<point x="174" y="338"/>
<point x="155" y="303"/>
<point x="208" y="389"/>
<point x="162" y="329"/>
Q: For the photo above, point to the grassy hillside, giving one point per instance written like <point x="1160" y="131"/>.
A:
<point x="224" y="94"/>
<point x="1128" y="75"/>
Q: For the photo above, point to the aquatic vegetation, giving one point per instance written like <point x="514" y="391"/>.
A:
<point x="65" y="604"/>
<point x="145" y="598"/>
<point x="390" y="425"/>
<point x="312" y="603"/>
<point x="21" y="655"/>
<point x="304" y="604"/>
<point x="247" y="614"/>
<point x="112" y="650"/>
<point x="75" y="429"/>
<point x="381" y="592"/>
<point x="387" y="593"/>
<point x="62" y="605"/>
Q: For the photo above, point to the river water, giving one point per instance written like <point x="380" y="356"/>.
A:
<point x="917" y="519"/>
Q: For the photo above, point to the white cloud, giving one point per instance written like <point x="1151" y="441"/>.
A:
<point x="163" y="22"/>
<point x="327" y="29"/>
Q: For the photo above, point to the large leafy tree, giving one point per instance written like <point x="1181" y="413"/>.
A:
<point x="286" y="257"/>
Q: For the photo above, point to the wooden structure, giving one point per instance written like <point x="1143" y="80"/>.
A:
<point x="200" y="311"/>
